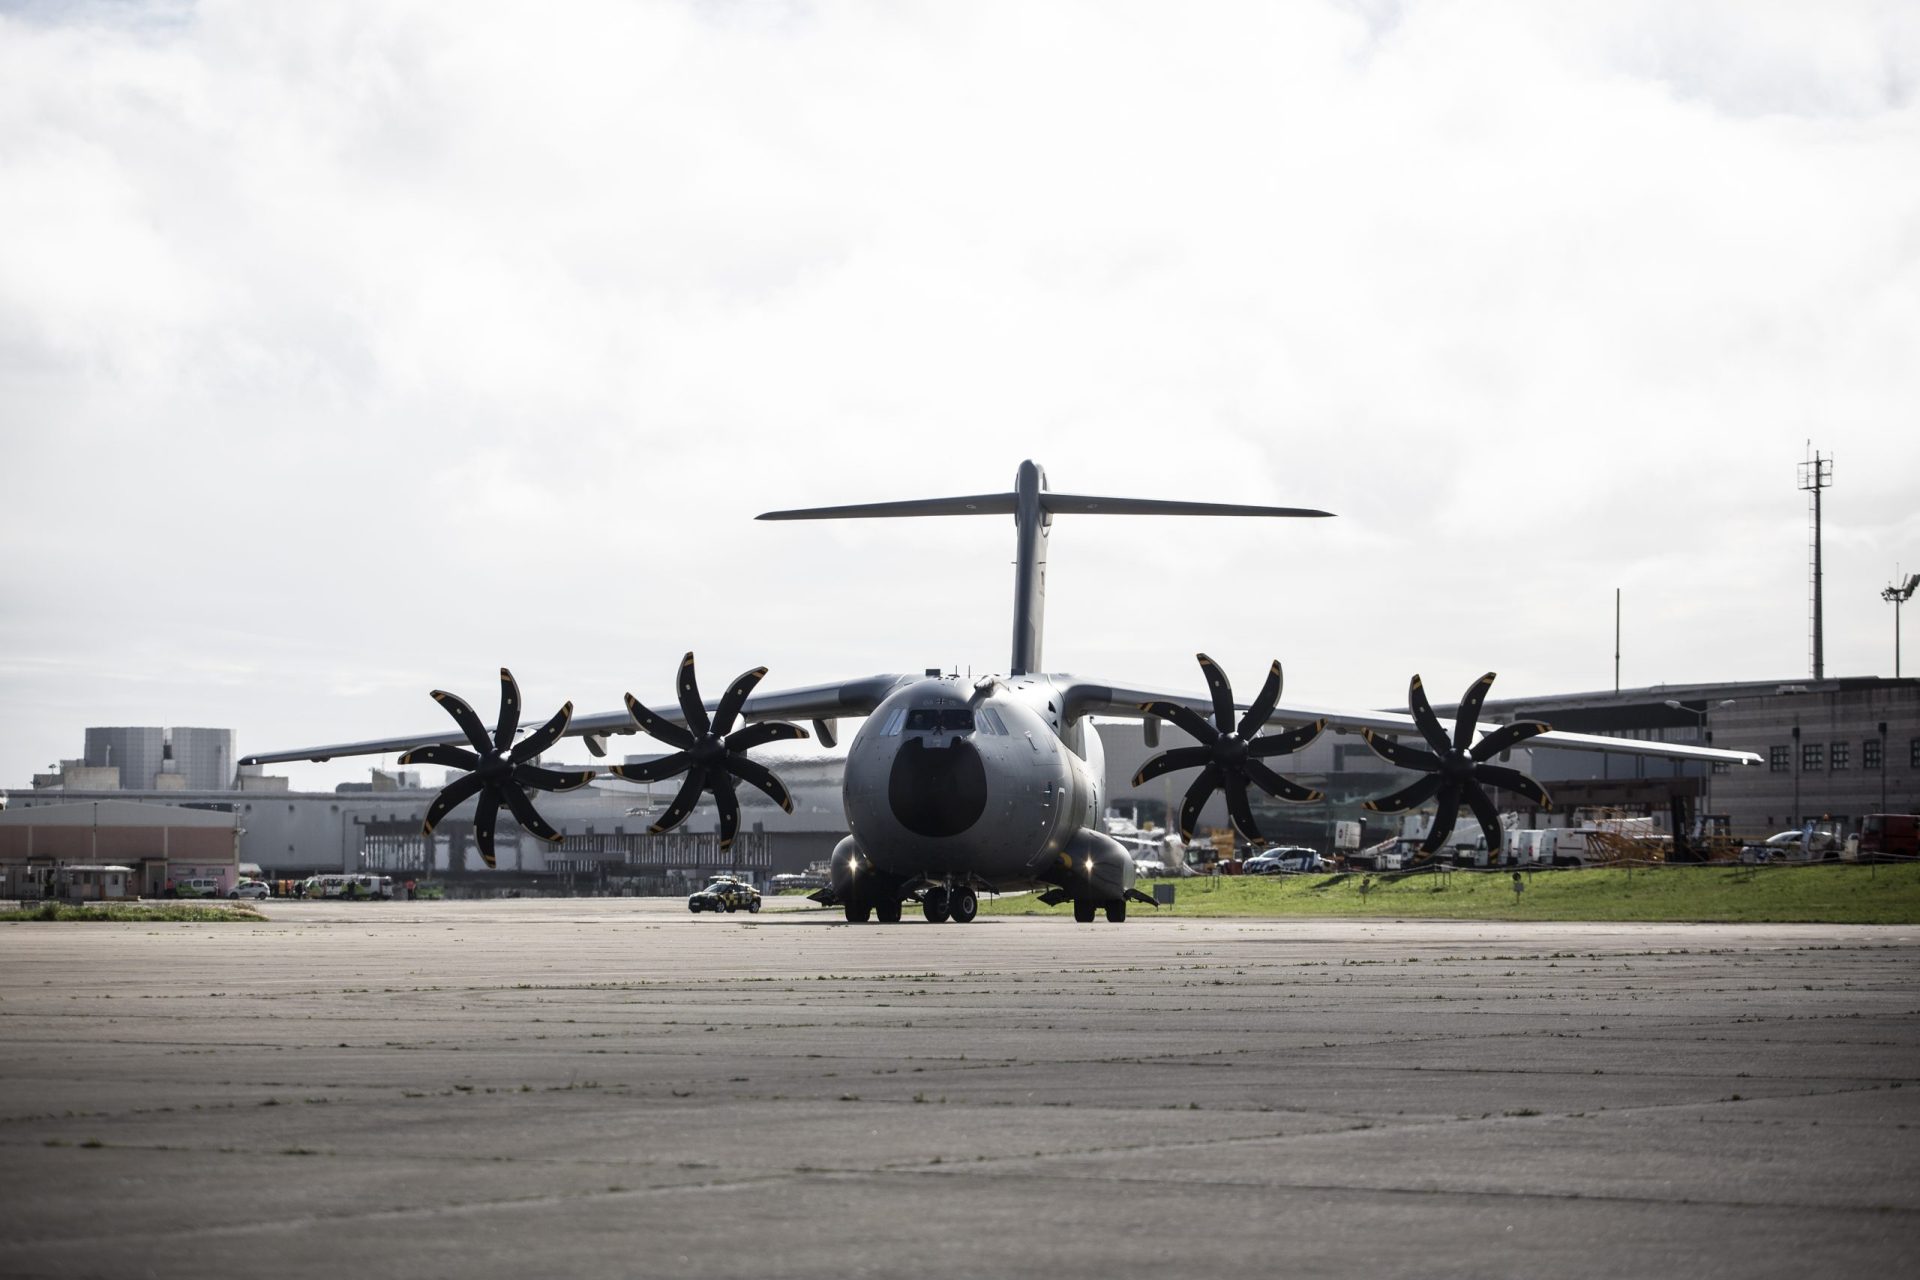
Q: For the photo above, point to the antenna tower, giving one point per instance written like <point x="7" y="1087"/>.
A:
<point x="1816" y="473"/>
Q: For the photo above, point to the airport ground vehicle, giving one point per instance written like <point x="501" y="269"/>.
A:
<point x="724" y="893"/>
<point x="254" y="889"/>
<point x="1283" y="860"/>
<point x="344" y="886"/>
<point x="1890" y="835"/>
<point x="195" y="887"/>
<point x="1814" y="842"/>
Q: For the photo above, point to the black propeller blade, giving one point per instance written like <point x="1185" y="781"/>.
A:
<point x="1457" y="769"/>
<point x="500" y="774"/>
<point x="711" y="757"/>
<point x="1230" y="756"/>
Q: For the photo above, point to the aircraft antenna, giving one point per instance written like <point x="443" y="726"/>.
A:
<point x="1815" y="475"/>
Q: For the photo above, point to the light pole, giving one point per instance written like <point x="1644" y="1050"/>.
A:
<point x="1897" y="596"/>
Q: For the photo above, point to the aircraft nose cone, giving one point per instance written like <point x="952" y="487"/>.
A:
<point x="937" y="791"/>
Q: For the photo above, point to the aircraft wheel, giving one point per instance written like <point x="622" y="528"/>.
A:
<point x="1083" y="910"/>
<point x="1117" y="911"/>
<point x="965" y="905"/>
<point x="858" y="911"/>
<point x="887" y="912"/>
<point x="934" y="906"/>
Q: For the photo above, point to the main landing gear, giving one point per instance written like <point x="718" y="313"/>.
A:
<point x="939" y="904"/>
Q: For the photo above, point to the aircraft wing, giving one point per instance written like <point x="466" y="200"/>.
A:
<point x="813" y="702"/>
<point x="1084" y="697"/>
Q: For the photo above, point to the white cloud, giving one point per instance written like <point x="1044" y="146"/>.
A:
<point x="350" y="350"/>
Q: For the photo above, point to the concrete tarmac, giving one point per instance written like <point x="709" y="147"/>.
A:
<point x="614" y="1087"/>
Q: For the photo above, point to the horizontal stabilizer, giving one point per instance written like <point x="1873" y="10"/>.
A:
<point x="984" y="504"/>
<point x="1078" y="504"/>
<point x="1053" y="504"/>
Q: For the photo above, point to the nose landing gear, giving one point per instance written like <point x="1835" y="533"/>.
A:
<point x="940" y="904"/>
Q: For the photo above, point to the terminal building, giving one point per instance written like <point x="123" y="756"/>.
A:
<point x="1835" y="749"/>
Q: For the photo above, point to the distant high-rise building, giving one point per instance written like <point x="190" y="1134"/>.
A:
<point x="204" y="757"/>
<point x="138" y="753"/>
<point x="191" y="759"/>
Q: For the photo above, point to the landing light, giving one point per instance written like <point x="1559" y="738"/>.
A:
<point x="1089" y="864"/>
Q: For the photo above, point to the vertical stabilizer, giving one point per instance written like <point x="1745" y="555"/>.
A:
<point x="1031" y="521"/>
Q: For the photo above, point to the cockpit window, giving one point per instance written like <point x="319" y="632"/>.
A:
<point x="940" y="720"/>
<point x="991" y="719"/>
<point x="892" y="728"/>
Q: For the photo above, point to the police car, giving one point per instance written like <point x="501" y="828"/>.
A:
<point x="725" y="894"/>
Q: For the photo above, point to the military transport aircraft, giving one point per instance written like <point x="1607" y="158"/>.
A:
<point x="955" y="785"/>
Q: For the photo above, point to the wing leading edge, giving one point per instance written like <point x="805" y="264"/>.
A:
<point x="1086" y="697"/>
<point x="811" y="702"/>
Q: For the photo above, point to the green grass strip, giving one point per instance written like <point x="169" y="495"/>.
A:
<point x="1826" y="893"/>
<point x="133" y="912"/>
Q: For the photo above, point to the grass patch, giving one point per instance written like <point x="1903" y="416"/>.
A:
<point x="1825" y="893"/>
<point x="134" y="912"/>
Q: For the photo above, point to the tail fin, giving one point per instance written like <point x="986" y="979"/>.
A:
<point x="1033" y="509"/>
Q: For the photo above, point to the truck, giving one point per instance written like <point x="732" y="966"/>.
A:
<point x="1887" y="836"/>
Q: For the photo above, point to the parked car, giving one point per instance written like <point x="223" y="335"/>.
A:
<point x="255" y="889"/>
<point x="194" y="887"/>
<point x="1792" y="846"/>
<point x="724" y="893"/>
<point x="1285" y="860"/>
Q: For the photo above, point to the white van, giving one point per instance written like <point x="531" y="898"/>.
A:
<point x="356" y="886"/>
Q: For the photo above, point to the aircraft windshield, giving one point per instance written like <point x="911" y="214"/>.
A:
<point x="940" y="719"/>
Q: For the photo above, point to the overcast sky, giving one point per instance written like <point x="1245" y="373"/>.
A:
<point x="353" y="350"/>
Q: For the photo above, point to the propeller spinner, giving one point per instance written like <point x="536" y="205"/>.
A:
<point x="712" y="757"/>
<point x="500" y="769"/>
<point x="1230" y="756"/>
<point x="1457" y="769"/>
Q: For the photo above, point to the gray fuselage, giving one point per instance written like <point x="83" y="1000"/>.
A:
<point x="959" y="780"/>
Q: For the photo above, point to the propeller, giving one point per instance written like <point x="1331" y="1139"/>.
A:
<point x="499" y="772"/>
<point x="712" y="757"/>
<point x="1457" y="769"/>
<point x="1230" y="756"/>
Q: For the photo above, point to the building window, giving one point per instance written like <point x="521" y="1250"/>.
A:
<point x="1779" y="759"/>
<point x="1840" y="756"/>
<point x="1870" y="754"/>
<point x="1813" y="757"/>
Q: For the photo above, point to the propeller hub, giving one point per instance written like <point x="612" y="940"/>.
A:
<point x="1457" y="765"/>
<point x="709" y="749"/>
<point x="494" y="764"/>
<point x="1230" y="749"/>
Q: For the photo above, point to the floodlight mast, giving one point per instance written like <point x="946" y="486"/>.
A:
<point x="1897" y="596"/>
